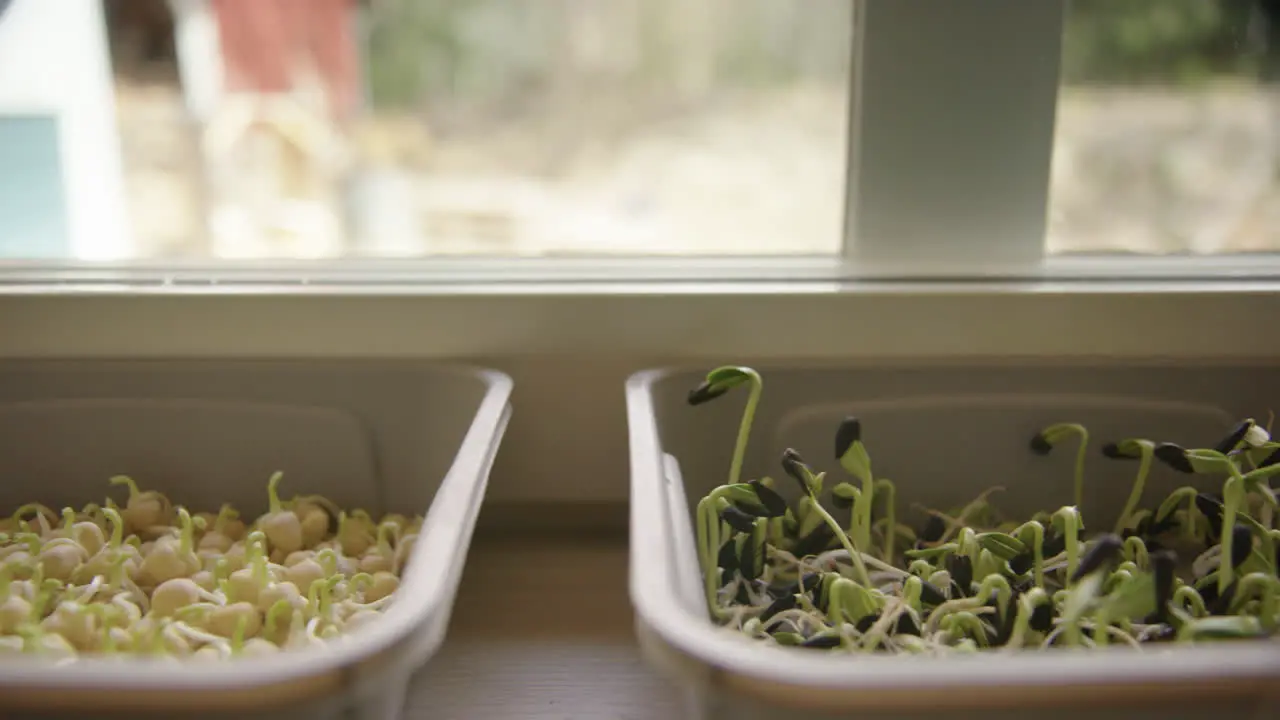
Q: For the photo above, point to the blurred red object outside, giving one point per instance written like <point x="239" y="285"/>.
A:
<point x="265" y="42"/>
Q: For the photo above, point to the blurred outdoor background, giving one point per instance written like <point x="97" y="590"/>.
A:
<point x="392" y="128"/>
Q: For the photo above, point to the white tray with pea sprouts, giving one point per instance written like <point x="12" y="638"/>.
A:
<point x="146" y="577"/>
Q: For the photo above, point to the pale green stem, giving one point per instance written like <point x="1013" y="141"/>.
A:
<point x="1136" y="550"/>
<point x="890" y="515"/>
<point x="1232" y="495"/>
<point x="1071" y="531"/>
<point x="273" y="494"/>
<point x="1079" y="470"/>
<point x="859" y="567"/>
<point x="1263" y="586"/>
<point x="1135" y="494"/>
<point x="1188" y="595"/>
<point x="1101" y="625"/>
<point x="256" y="556"/>
<point x="744" y="428"/>
<point x="1037" y="548"/>
<point x="866" y="502"/>
<point x="1027" y="604"/>
<point x="186" y="537"/>
<point x="1000" y="586"/>
<point x="709" y="539"/>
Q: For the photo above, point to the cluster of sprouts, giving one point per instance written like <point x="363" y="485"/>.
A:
<point x="1200" y="566"/>
<point x="151" y="578"/>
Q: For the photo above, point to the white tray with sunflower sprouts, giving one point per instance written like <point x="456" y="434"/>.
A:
<point x="838" y="570"/>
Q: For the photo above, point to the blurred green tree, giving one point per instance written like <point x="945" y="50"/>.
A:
<point x="1156" y="41"/>
<point x="475" y="50"/>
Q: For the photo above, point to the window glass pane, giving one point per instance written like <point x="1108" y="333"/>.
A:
<point x="329" y="128"/>
<point x="33" y="210"/>
<point x="1168" y="136"/>
<point x="60" y="183"/>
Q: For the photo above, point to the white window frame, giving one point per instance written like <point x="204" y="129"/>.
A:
<point x="951" y="127"/>
<point x="952" y="135"/>
<point x="952" y="108"/>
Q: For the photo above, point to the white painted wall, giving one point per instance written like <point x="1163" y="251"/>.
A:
<point x="54" y="59"/>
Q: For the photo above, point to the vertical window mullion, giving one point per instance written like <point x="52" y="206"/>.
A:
<point x="951" y="135"/>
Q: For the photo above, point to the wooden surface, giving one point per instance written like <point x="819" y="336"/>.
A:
<point x="543" y="629"/>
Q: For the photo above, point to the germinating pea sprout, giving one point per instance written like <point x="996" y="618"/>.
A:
<point x="1198" y="567"/>
<point x="152" y="578"/>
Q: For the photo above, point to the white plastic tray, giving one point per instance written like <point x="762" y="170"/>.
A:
<point x="943" y="435"/>
<point x="384" y="436"/>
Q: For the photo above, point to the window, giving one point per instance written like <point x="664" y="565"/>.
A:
<point x="33" y="204"/>
<point x="253" y="129"/>
<point x="833" y="138"/>
<point x="1168" y="134"/>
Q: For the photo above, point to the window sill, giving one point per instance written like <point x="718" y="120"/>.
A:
<point x="570" y="347"/>
<point x="551" y="656"/>
<point x="671" y="320"/>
